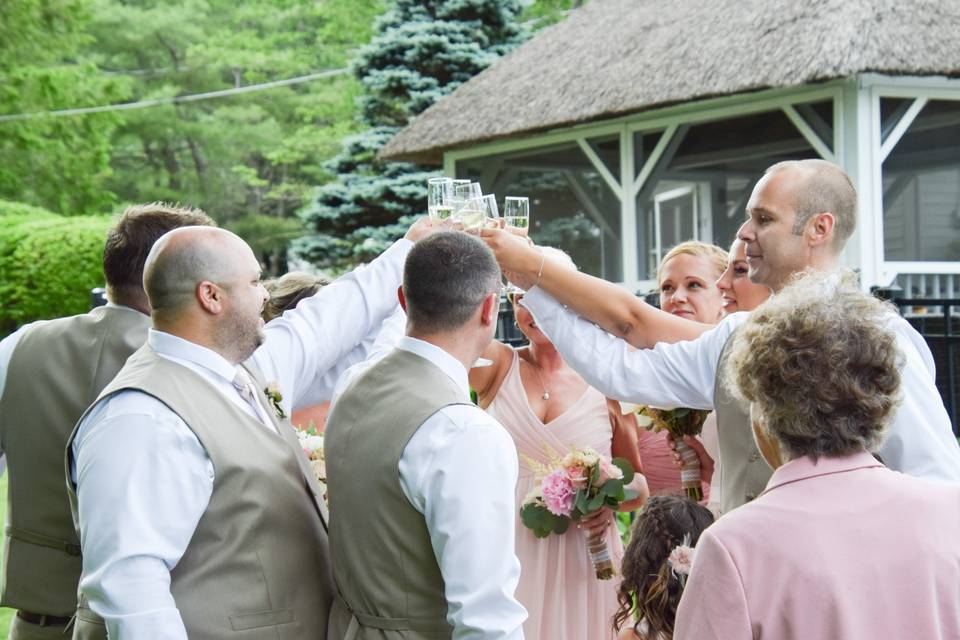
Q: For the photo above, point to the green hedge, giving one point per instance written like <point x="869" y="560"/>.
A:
<point x="12" y="210"/>
<point x="48" y="264"/>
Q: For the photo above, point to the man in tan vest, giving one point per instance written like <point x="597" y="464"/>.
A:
<point x="198" y="514"/>
<point x="50" y="372"/>
<point x="421" y="481"/>
<point x="799" y="216"/>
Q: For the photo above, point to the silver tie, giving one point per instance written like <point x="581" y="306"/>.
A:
<point x="244" y="386"/>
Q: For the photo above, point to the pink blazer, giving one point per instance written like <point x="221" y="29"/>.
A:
<point x="842" y="549"/>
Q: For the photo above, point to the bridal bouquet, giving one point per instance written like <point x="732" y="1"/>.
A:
<point x="312" y="445"/>
<point x="678" y="423"/>
<point x="577" y="485"/>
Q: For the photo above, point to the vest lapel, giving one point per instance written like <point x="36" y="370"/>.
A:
<point x="285" y="429"/>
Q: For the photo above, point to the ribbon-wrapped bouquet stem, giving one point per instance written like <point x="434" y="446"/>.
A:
<point x="577" y="485"/>
<point x="679" y="423"/>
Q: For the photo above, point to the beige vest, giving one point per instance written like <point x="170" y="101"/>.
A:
<point x="256" y="566"/>
<point x="55" y="372"/>
<point x="383" y="562"/>
<point x="744" y="474"/>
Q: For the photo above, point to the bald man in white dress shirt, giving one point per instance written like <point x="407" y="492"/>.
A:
<point x="198" y="516"/>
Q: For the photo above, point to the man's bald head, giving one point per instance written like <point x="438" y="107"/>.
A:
<point x="183" y="258"/>
<point x="824" y="188"/>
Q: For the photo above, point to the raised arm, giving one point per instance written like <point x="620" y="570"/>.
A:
<point x="669" y="375"/>
<point x="306" y="342"/>
<point x="615" y="309"/>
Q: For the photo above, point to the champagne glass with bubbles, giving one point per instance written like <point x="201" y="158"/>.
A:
<point x="440" y="198"/>
<point x="516" y="215"/>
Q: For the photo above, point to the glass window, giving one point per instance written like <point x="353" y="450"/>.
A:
<point x="921" y="184"/>
<point x="700" y="185"/>
<point x="571" y="206"/>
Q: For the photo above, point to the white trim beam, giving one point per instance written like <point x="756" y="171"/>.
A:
<point x="809" y="134"/>
<point x="651" y="162"/>
<point x="898" y="131"/>
<point x="601" y="168"/>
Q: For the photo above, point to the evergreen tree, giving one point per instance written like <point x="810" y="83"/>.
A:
<point x="422" y="50"/>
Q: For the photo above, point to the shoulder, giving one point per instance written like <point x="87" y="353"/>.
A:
<point x="464" y="427"/>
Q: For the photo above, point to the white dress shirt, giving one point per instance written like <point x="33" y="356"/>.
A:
<point x="919" y="440"/>
<point x="143" y="478"/>
<point x="459" y="470"/>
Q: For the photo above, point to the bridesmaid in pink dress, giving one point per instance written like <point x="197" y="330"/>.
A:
<point x="547" y="407"/>
<point x="687" y="278"/>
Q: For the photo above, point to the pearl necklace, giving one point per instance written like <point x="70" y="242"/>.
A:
<point x="536" y="371"/>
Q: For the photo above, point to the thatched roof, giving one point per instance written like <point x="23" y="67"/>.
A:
<point x="615" y="57"/>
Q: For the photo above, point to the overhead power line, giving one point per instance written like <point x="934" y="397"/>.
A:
<point x="196" y="97"/>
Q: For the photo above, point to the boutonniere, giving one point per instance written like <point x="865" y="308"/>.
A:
<point x="272" y="391"/>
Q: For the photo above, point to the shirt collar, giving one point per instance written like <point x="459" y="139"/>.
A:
<point x="446" y="362"/>
<point x="805" y="467"/>
<point x="114" y="305"/>
<point x="171" y="346"/>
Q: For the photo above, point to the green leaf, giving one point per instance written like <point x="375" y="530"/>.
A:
<point x="628" y="471"/>
<point x="596" y="502"/>
<point x="630" y="494"/>
<point x="560" y="525"/>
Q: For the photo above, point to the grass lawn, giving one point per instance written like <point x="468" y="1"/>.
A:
<point x="5" y="614"/>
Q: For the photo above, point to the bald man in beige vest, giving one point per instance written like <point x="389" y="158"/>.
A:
<point x="800" y="215"/>
<point x="50" y="372"/>
<point x="199" y="516"/>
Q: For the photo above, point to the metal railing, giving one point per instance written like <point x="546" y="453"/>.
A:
<point x="938" y="321"/>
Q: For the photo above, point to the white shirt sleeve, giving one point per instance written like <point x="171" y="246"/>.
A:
<point x="460" y="471"/>
<point x="134" y="532"/>
<point x="920" y="440"/>
<point x="378" y="343"/>
<point x="669" y="375"/>
<point x="304" y="343"/>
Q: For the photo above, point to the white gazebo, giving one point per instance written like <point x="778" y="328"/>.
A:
<point x="636" y="124"/>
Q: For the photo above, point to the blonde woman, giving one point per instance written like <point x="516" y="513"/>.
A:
<point x="687" y="279"/>
<point x="548" y="408"/>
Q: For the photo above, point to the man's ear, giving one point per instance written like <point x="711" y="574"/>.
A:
<point x="820" y="229"/>
<point x="490" y="309"/>
<point x="210" y="297"/>
<point x="402" y="299"/>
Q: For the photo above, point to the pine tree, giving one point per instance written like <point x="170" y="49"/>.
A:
<point x="422" y="50"/>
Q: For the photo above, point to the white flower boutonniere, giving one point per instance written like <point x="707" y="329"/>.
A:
<point x="273" y="394"/>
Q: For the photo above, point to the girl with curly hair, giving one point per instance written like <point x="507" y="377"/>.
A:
<point x="655" y="566"/>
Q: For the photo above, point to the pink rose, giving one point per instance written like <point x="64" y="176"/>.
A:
<point x="681" y="560"/>
<point x="609" y="471"/>
<point x="558" y="493"/>
<point x="577" y="475"/>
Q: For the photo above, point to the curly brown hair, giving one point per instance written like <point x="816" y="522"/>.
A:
<point x="820" y="366"/>
<point x="650" y="592"/>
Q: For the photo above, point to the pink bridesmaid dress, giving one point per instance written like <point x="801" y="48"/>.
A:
<point x="558" y="586"/>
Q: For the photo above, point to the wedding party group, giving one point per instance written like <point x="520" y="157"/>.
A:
<point x="209" y="456"/>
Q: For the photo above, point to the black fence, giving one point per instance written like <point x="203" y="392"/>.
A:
<point x="937" y="320"/>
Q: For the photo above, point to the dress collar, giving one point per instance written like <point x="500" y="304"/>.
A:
<point x="805" y="467"/>
<point x="171" y="346"/>
<point x="446" y="362"/>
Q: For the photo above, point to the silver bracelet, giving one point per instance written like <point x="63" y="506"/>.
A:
<point x="543" y="258"/>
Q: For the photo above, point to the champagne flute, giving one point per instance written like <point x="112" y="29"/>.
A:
<point x="472" y="213"/>
<point x="439" y="197"/>
<point x="466" y="191"/>
<point x="516" y="214"/>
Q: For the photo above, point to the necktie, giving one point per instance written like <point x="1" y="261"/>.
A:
<point x="244" y="386"/>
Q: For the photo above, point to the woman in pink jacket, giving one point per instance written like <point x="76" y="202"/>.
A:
<point x="838" y="546"/>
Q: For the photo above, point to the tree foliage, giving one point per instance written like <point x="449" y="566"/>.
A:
<point x="59" y="163"/>
<point x="422" y="51"/>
